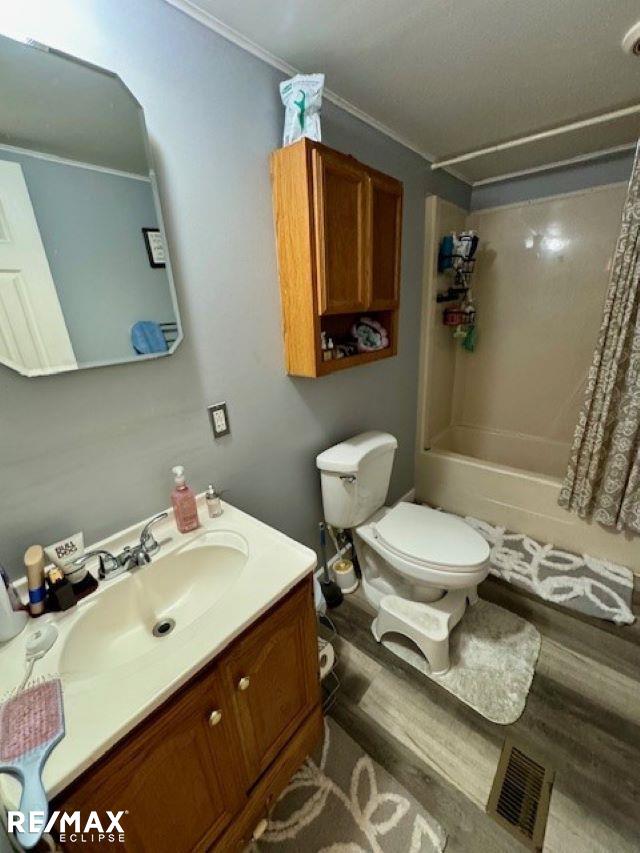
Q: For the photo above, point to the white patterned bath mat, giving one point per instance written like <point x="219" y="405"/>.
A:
<point x="580" y="582"/>
<point x="341" y="801"/>
<point x="493" y="658"/>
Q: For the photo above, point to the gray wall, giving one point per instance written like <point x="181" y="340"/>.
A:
<point x="90" y="223"/>
<point x="596" y="173"/>
<point x="93" y="450"/>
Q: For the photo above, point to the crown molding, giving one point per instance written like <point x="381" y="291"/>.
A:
<point x="188" y="7"/>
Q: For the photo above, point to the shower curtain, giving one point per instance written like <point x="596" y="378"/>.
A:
<point x="603" y="477"/>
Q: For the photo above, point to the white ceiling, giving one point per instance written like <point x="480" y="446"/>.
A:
<point x="449" y="77"/>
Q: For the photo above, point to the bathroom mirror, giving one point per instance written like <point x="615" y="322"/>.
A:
<point x="85" y="276"/>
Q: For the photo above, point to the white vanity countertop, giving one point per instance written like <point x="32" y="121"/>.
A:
<point x="102" y="706"/>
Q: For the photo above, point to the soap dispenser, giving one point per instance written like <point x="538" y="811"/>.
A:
<point x="13" y="616"/>
<point x="183" y="499"/>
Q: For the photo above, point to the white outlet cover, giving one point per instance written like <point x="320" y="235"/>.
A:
<point x="219" y="419"/>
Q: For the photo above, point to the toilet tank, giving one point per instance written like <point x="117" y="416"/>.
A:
<point x="355" y="477"/>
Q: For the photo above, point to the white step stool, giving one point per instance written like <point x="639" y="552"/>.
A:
<point x="427" y="625"/>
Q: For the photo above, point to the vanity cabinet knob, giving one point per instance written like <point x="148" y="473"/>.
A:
<point x="214" y="718"/>
<point x="244" y="682"/>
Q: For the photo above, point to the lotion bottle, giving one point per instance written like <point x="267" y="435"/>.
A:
<point x="183" y="500"/>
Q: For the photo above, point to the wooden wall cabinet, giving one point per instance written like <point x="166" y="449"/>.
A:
<point x="207" y="766"/>
<point x="339" y="239"/>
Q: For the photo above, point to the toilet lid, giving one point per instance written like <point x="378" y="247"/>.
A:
<point x="429" y="536"/>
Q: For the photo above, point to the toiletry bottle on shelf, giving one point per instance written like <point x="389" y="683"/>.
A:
<point x="13" y="616"/>
<point x="214" y="504"/>
<point x="184" y="504"/>
<point x="34" y="563"/>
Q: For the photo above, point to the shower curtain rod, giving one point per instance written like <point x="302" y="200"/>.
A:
<point x="557" y="164"/>
<point x="535" y="137"/>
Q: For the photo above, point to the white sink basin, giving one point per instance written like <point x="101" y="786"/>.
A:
<point x="169" y="594"/>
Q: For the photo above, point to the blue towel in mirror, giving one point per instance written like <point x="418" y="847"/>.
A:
<point x="147" y="338"/>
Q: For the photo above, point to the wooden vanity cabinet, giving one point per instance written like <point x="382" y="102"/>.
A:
<point x="207" y="766"/>
<point x="338" y="230"/>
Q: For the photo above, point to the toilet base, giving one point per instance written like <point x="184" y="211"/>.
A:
<point x="427" y="625"/>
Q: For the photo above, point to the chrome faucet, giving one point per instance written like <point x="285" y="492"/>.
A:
<point x="109" y="565"/>
<point x="129" y="558"/>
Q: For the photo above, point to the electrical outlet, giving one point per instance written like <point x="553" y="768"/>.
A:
<point x="219" y="419"/>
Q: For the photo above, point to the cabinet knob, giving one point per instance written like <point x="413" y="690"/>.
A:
<point x="260" y="829"/>
<point x="214" y="718"/>
<point x="244" y="682"/>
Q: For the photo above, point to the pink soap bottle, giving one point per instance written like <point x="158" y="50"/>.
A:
<point x="183" y="500"/>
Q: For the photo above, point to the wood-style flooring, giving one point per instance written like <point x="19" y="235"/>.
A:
<point x="582" y="716"/>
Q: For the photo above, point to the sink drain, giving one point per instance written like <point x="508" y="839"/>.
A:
<point x="163" y="627"/>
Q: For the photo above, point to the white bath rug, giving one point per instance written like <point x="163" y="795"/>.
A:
<point x="493" y="656"/>
<point x="583" y="583"/>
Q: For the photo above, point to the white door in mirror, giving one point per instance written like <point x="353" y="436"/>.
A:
<point x="33" y="333"/>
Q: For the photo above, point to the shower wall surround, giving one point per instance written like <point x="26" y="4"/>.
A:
<point x="540" y="281"/>
<point x="496" y="424"/>
<point x="93" y="451"/>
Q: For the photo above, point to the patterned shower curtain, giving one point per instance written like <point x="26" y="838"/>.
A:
<point x="603" y="478"/>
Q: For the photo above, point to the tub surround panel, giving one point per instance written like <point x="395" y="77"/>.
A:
<point x="438" y="351"/>
<point x="528" y="452"/>
<point x="518" y="500"/>
<point x="540" y="280"/>
<point x="541" y="275"/>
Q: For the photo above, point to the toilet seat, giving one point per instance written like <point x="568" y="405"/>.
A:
<point x="436" y="540"/>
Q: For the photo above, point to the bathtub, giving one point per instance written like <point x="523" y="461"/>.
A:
<point x="513" y="480"/>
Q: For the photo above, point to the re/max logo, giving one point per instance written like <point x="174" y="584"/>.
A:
<point x="69" y="825"/>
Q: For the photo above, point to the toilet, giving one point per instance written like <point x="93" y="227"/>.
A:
<point x="420" y="567"/>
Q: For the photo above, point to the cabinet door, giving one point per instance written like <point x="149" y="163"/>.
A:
<point x="341" y="232"/>
<point x="177" y="780"/>
<point x="273" y="675"/>
<point x="386" y="239"/>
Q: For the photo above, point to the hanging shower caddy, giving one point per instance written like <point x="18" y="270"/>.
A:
<point x="457" y="258"/>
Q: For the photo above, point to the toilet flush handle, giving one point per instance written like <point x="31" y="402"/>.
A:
<point x="348" y="478"/>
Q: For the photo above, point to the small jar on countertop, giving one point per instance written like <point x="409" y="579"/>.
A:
<point x="61" y="595"/>
<point x="214" y="504"/>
